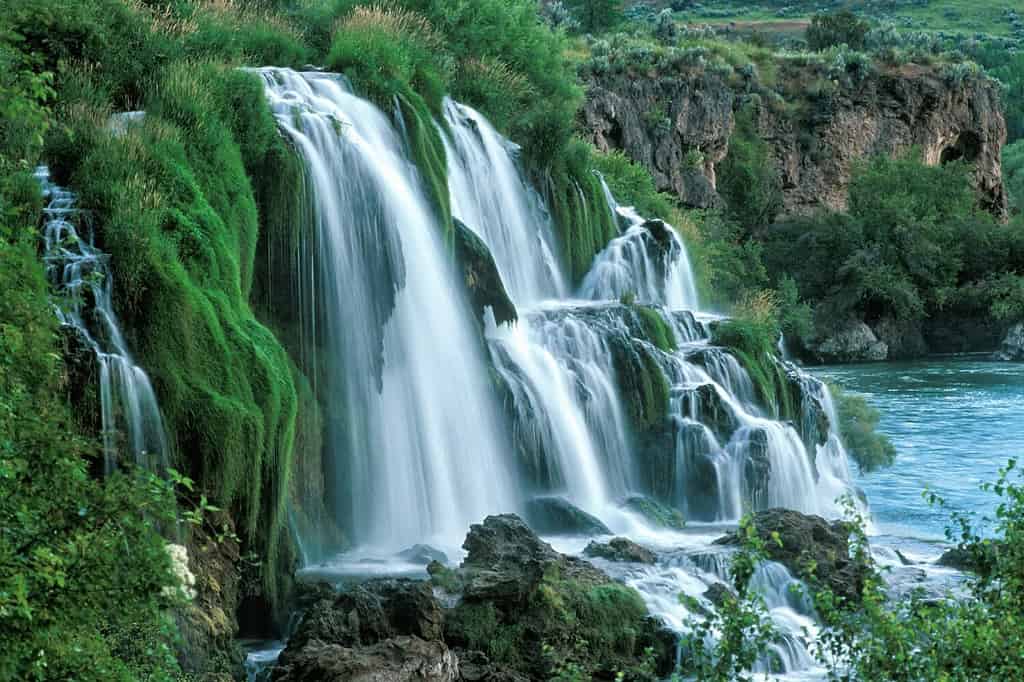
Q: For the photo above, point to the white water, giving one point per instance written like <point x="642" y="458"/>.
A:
<point x="638" y="263"/>
<point x="132" y="427"/>
<point x="420" y="455"/>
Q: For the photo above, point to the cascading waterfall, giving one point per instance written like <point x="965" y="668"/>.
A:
<point x="648" y="261"/>
<point x="415" y="437"/>
<point x="490" y="194"/>
<point x="416" y="442"/>
<point x="80" y="273"/>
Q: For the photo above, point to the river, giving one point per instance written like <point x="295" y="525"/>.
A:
<point x="954" y="423"/>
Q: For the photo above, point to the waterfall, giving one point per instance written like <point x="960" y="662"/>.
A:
<point x="415" y="442"/>
<point x="490" y="194"/>
<point x="648" y="260"/>
<point x="81" y="276"/>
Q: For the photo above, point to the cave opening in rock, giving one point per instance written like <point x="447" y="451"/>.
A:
<point x="966" y="147"/>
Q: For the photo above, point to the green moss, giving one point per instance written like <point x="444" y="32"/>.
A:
<point x="175" y="209"/>
<point x="643" y="387"/>
<point x="656" y="330"/>
<point x="753" y="345"/>
<point x="656" y="512"/>
<point x="427" y="150"/>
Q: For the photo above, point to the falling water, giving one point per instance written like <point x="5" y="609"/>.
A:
<point x="415" y="442"/>
<point x="81" y="275"/>
<point x="648" y="260"/>
<point x="490" y="194"/>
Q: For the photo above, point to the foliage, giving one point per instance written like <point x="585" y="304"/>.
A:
<point x="595" y="16"/>
<point x="747" y="179"/>
<point x="841" y="28"/>
<point x="975" y="637"/>
<point x="730" y="261"/>
<point x="656" y="330"/>
<point x="913" y="243"/>
<point x="858" y="422"/>
<point x="725" y="646"/>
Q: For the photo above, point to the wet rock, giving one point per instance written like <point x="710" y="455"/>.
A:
<point x="852" y="342"/>
<point x="371" y="612"/>
<point x="481" y="275"/>
<point x="656" y="513"/>
<point x="757" y="468"/>
<point x="719" y="593"/>
<point x="1012" y="347"/>
<point x="423" y="554"/>
<point x="620" y="549"/>
<point x="810" y="541"/>
<point x="558" y="516"/>
<point x="399" y="659"/>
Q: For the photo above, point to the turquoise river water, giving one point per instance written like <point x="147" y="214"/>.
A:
<point x="954" y="423"/>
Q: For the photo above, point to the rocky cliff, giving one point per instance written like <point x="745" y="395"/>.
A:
<point x="818" y="122"/>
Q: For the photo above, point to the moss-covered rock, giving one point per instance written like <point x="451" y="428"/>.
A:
<point x="553" y="515"/>
<point x="656" y="513"/>
<point x="481" y="277"/>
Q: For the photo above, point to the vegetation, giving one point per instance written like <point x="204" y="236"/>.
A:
<point x="857" y="422"/>
<point x="832" y="30"/>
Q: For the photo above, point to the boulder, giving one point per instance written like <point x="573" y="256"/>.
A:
<point x="851" y="342"/>
<point x="810" y="541"/>
<point x="719" y="593"/>
<point x="1012" y="348"/>
<point x="399" y="659"/>
<point x="557" y="516"/>
<point x="481" y="275"/>
<point x="620" y="549"/>
<point x="423" y="555"/>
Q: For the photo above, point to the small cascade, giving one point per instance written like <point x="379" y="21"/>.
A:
<point x="414" y="436"/>
<point x="648" y="260"/>
<point x="490" y="194"/>
<point x="80" y="273"/>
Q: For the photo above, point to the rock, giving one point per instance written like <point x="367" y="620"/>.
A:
<point x="703" y="403"/>
<point x="656" y="513"/>
<point x="1012" y="348"/>
<point x="558" y="516"/>
<point x="810" y="540"/>
<point x="964" y="559"/>
<point x="481" y="275"/>
<point x="372" y="612"/>
<point x="879" y="111"/>
<point x="423" y="554"/>
<point x="474" y="666"/>
<point x="852" y="342"/>
<point x="719" y="593"/>
<point x="520" y="593"/>
<point x="399" y="659"/>
<point x="620" y="549"/>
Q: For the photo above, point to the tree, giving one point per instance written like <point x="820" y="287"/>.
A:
<point x="596" y="15"/>
<point x="841" y="28"/>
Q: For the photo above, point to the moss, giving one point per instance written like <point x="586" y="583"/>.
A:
<point x="753" y="345"/>
<point x="658" y="513"/>
<point x="655" y="329"/>
<point x="175" y="209"/>
<point x="427" y="151"/>
<point x="643" y="387"/>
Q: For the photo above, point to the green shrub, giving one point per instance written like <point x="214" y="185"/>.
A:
<point x="841" y="28"/>
<point x="858" y="422"/>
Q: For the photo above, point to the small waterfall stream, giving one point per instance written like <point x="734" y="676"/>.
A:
<point x="80" y="273"/>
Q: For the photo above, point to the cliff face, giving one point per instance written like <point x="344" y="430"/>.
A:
<point x="679" y="127"/>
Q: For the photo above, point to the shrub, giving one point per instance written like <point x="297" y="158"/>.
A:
<point x="858" y="422"/>
<point x="841" y="28"/>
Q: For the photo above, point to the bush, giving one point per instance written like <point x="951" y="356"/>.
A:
<point x="841" y="28"/>
<point x="858" y="421"/>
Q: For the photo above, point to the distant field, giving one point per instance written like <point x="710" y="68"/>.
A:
<point x="782" y="16"/>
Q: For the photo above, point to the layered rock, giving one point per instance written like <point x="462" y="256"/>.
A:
<point x="884" y="110"/>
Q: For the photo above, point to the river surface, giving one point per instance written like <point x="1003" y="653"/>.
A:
<point x="954" y="423"/>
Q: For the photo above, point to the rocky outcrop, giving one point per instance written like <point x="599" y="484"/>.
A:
<point x="1012" y="348"/>
<point x="481" y="276"/>
<point x="679" y="126"/>
<point x="811" y="548"/>
<point x="854" y="341"/>
<point x="620" y="549"/>
<point x="486" y="621"/>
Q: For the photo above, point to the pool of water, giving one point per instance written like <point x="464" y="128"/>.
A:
<point x="954" y="423"/>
